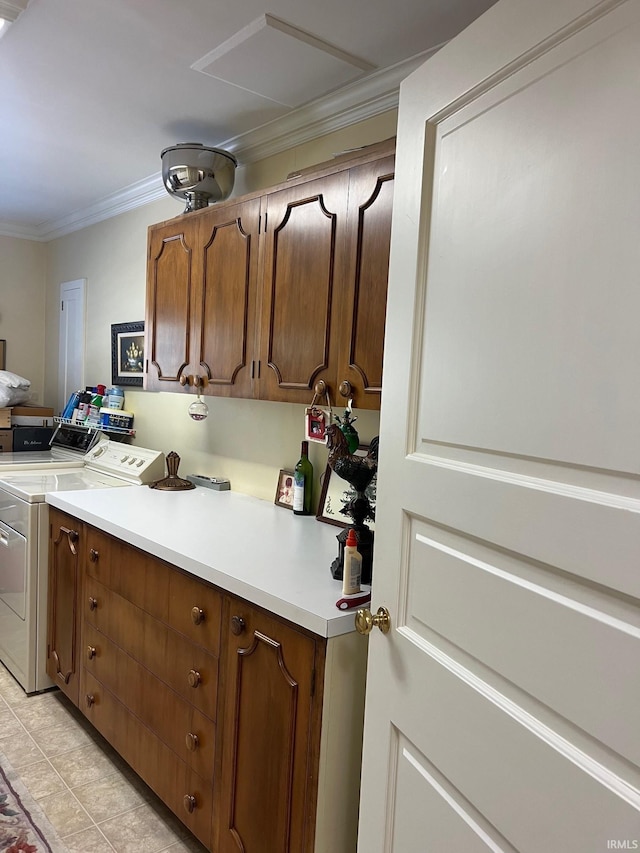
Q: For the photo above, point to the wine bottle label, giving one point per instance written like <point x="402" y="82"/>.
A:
<point x="298" y="492"/>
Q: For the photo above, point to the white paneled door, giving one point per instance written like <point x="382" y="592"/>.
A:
<point x="71" y="346"/>
<point x="503" y="707"/>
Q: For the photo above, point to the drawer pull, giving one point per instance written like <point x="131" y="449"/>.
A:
<point x="197" y="616"/>
<point x="193" y="679"/>
<point x="91" y="652"/>
<point x="189" y="802"/>
<point x="90" y="700"/>
<point x="192" y="741"/>
<point x="93" y="555"/>
<point x="237" y="625"/>
<point x="93" y="603"/>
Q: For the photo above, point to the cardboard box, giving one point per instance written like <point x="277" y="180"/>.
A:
<point x="5" y="418"/>
<point x="31" y="438"/>
<point x="6" y="440"/>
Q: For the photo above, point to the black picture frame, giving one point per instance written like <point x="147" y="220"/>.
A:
<point x="336" y="492"/>
<point x="127" y="353"/>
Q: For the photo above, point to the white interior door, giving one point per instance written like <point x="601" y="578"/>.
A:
<point x="503" y="708"/>
<point x="71" y="339"/>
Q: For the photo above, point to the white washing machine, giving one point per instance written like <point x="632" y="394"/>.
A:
<point x="24" y="541"/>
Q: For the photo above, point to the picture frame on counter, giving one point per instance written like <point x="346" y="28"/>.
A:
<point x="284" y="489"/>
<point x="336" y="493"/>
<point x="3" y="355"/>
<point x="127" y="353"/>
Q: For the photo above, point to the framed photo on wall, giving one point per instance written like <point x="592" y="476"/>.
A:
<point x="127" y="353"/>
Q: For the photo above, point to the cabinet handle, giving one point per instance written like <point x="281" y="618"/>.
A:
<point x="72" y="538"/>
<point x="193" y="678"/>
<point x="345" y="388"/>
<point x="93" y="603"/>
<point x="189" y="802"/>
<point x="197" y="615"/>
<point x="90" y="699"/>
<point x="237" y="625"/>
<point x="192" y="741"/>
<point x="91" y="652"/>
<point x="93" y="555"/>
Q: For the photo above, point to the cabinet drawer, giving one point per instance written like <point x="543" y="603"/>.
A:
<point x="189" y="669"/>
<point x="152" y="760"/>
<point x="140" y="578"/>
<point x="195" y="610"/>
<point x="97" y="555"/>
<point x="177" y="723"/>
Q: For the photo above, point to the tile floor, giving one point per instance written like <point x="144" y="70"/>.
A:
<point x="94" y="801"/>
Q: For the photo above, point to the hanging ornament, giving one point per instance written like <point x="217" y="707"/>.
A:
<point x="198" y="410"/>
<point x="346" y="426"/>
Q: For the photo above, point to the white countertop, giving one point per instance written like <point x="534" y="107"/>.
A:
<point x="246" y="546"/>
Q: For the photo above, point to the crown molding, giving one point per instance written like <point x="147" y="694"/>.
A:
<point x="375" y="94"/>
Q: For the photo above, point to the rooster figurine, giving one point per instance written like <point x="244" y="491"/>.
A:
<point x="359" y="471"/>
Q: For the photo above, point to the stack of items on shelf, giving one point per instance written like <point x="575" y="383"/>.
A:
<point x="100" y="407"/>
<point x="26" y="427"/>
<point x="23" y="426"/>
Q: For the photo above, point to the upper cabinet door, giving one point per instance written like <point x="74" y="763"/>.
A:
<point x="364" y="292"/>
<point x="304" y="236"/>
<point x="172" y="278"/>
<point x="226" y="316"/>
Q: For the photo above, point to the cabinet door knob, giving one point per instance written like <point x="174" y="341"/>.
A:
<point x="93" y="603"/>
<point x="237" y="625"/>
<point x="186" y="379"/>
<point x="345" y="388"/>
<point x="193" y="678"/>
<point x="189" y="802"/>
<point x="91" y="652"/>
<point x="192" y="741"/>
<point x="90" y="700"/>
<point x="197" y="615"/>
<point x="93" y="555"/>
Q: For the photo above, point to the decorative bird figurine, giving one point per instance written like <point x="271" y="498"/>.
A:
<point x="359" y="471"/>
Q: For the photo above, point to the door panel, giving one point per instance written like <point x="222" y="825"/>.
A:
<point x="305" y="227"/>
<point x="369" y="235"/>
<point x="170" y="299"/>
<point x="508" y="528"/>
<point x="226" y="333"/>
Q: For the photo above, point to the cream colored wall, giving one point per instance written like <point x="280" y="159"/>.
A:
<point x="22" y="309"/>
<point x="245" y="440"/>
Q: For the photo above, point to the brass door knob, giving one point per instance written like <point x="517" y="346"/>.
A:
<point x="366" y="621"/>
<point x="320" y="388"/>
<point x="197" y="615"/>
<point x="192" y="741"/>
<point x="93" y="555"/>
<point x="193" y="678"/>
<point x="345" y="388"/>
<point x="237" y="625"/>
<point x="93" y="603"/>
<point x="90" y="700"/>
<point x="186" y="379"/>
<point x="91" y="652"/>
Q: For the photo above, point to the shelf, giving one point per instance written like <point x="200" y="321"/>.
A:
<point x="110" y="430"/>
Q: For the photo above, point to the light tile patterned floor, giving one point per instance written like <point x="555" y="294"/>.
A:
<point x="94" y="801"/>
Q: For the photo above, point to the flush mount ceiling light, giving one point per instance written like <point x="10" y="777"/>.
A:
<point x="278" y="61"/>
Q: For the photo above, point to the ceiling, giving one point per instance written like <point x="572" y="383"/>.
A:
<point x="93" y="90"/>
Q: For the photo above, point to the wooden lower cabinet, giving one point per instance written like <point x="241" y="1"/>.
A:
<point x="247" y="726"/>
<point x="65" y="547"/>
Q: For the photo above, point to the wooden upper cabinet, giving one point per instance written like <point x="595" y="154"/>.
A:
<point x="359" y="375"/>
<point x="304" y="230"/>
<point x="268" y="294"/>
<point x="171" y="279"/>
<point x="226" y="315"/>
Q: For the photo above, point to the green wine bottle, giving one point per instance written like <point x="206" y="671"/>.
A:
<point x="303" y="482"/>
